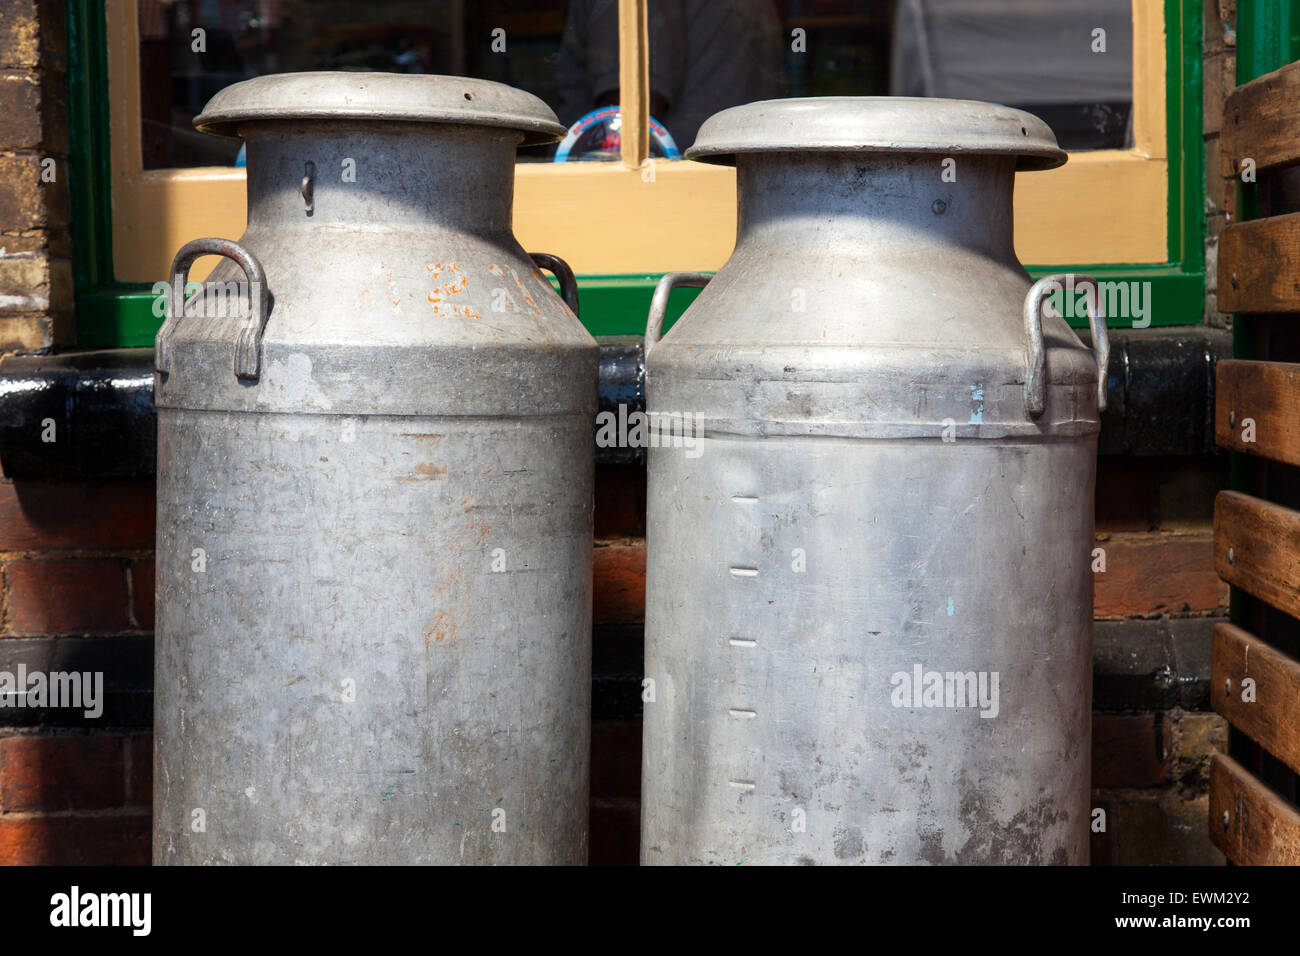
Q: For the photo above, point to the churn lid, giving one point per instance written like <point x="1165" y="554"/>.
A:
<point x="388" y="97"/>
<point x="903" y="124"/>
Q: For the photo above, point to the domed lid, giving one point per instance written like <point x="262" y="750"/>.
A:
<point x="900" y="124"/>
<point x="381" y="97"/>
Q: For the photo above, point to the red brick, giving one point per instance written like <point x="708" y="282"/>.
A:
<point x="54" y="516"/>
<point x="140" y="784"/>
<point x="1129" y="751"/>
<point x="1150" y="574"/>
<point x="619" y="580"/>
<point x="119" y="840"/>
<point x="76" y="596"/>
<point x="61" y="773"/>
<point x="142" y="592"/>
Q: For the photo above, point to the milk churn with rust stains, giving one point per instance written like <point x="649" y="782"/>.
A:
<point x="869" y="588"/>
<point x="374" y="495"/>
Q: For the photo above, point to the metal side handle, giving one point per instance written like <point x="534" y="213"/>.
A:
<point x="248" y="344"/>
<point x="1036" y="353"/>
<point x="654" y="326"/>
<point x="560" y="269"/>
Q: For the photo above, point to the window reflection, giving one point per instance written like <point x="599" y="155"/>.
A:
<point x="1069" y="62"/>
<point x="705" y="55"/>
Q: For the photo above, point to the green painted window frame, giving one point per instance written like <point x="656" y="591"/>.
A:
<point x="112" y="314"/>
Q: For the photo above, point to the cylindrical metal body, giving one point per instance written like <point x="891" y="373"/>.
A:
<point x="869" y="598"/>
<point x="374" y="524"/>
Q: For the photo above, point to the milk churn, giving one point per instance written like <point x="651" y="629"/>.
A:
<point x="374" y="495"/>
<point x="869" y="598"/>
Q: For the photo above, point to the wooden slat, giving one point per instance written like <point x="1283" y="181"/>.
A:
<point x="1272" y="718"/>
<point x="1257" y="548"/>
<point x="1261" y="828"/>
<point x="1261" y="120"/>
<point x="1260" y="401"/>
<point x="1259" y="265"/>
<point x="634" y="82"/>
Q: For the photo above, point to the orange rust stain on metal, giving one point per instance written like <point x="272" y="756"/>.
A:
<point x="440" y="632"/>
<point x="420" y="436"/>
<point x="455" y="283"/>
<point x="505" y="272"/>
<point x="390" y="286"/>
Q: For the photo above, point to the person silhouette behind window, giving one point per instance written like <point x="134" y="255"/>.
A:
<point x="705" y="56"/>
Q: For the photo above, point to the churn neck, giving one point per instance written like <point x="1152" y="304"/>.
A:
<point x="396" y="176"/>
<point x="901" y="167"/>
<point x="827" y="200"/>
<point x="380" y="149"/>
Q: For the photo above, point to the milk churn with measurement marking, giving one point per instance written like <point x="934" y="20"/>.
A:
<point x="869" y="588"/>
<point x="374" y="495"/>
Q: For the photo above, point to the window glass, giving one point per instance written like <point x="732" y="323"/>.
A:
<point x="512" y="41"/>
<point x="1068" y="61"/>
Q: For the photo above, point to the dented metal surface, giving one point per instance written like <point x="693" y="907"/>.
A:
<point x="373" y="560"/>
<point x="869" y="598"/>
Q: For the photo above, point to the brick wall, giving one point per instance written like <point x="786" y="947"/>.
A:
<point x="76" y="596"/>
<point x="76" y="571"/>
<point x="1155" y="606"/>
<point x="36" y="291"/>
<point x="1220" y="52"/>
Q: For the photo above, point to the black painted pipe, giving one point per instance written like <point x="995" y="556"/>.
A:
<point x="1161" y="391"/>
<point x="78" y="415"/>
<point x="91" y="414"/>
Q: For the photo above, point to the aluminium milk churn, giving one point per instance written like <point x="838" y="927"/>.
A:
<point x="374" y="495"/>
<point x="869" y="598"/>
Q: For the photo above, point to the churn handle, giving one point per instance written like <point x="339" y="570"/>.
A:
<point x="654" y="326"/>
<point x="560" y="269"/>
<point x="1036" y="359"/>
<point x="248" y="346"/>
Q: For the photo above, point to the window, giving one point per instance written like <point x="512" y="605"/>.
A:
<point x="1069" y="62"/>
<point x="1129" y="204"/>
<point x="190" y="49"/>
